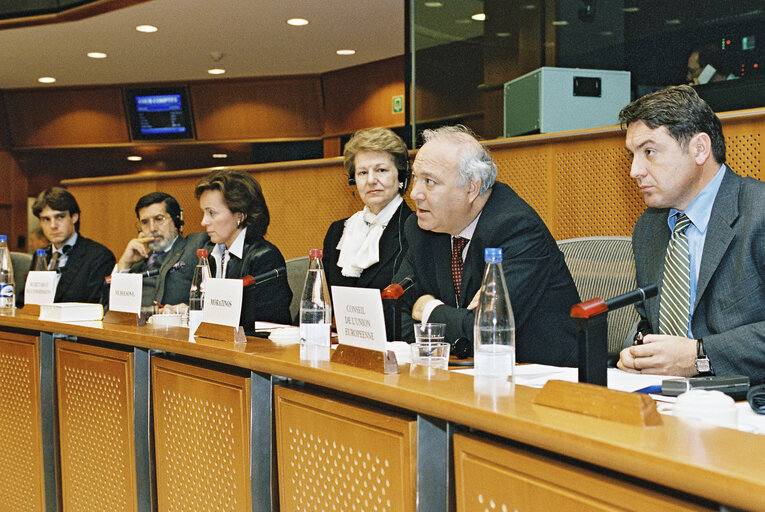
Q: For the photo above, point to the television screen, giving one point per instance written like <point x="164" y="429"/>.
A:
<point x="159" y="113"/>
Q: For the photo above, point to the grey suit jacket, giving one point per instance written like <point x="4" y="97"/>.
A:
<point x="729" y="312"/>
<point x="171" y="285"/>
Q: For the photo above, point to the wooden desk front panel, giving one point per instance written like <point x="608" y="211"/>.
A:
<point x="493" y="477"/>
<point x="201" y="437"/>
<point x="95" y="397"/>
<point x="21" y="459"/>
<point x="335" y="456"/>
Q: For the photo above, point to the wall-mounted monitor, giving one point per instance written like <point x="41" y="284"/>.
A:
<point x="159" y="113"/>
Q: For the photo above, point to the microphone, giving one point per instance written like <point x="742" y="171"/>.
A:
<point x="148" y="273"/>
<point x="597" y="306"/>
<point x="396" y="290"/>
<point x="265" y="276"/>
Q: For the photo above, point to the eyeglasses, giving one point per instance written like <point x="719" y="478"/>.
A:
<point x="144" y="224"/>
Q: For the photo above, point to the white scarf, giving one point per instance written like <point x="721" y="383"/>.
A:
<point x="360" y="244"/>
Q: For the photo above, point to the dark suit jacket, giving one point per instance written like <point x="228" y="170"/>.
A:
<point x="82" y="279"/>
<point x="268" y="301"/>
<point x="392" y="249"/>
<point x="171" y="285"/>
<point x="729" y="312"/>
<point x="539" y="284"/>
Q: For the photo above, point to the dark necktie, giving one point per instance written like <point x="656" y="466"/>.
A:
<point x="155" y="260"/>
<point x="56" y="256"/>
<point x="675" y="302"/>
<point x="458" y="244"/>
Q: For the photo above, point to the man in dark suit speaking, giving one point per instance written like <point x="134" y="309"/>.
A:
<point x="160" y="247"/>
<point x="701" y="240"/>
<point x="81" y="263"/>
<point x="460" y="212"/>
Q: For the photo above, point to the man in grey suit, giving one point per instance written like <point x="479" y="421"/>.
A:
<point x="161" y="250"/>
<point x="704" y="215"/>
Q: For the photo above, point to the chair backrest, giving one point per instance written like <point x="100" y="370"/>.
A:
<point x="296" y="271"/>
<point x="604" y="266"/>
<point x="21" y="262"/>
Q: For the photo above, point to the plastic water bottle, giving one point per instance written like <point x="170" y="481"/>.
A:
<point x="197" y="290"/>
<point x="315" y="306"/>
<point x="7" y="295"/>
<point x="40" y="265"/>
<point x="494" y="328"/>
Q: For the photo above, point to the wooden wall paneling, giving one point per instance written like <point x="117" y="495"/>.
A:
<point x="334" y="455"/>
<point x="96" y="427"/>
<point x="494" y="476"/>
<point x="578" y="182"/>
<point x="21" y="450"/>
<point x="202" y="437"/>
<point x="362" y="96"/>
<point x="744" y="141"/>
<point x="67" y="117"/>
<point x="13" y="201"/>
<point x="5" y="133"/>
<point x="304" y="201"/>
<point x="267" y="108"/>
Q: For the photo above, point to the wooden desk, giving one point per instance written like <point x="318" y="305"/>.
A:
<point x="678" y="460"/>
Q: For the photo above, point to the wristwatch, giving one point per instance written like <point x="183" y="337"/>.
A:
<point x="703" y="367"/>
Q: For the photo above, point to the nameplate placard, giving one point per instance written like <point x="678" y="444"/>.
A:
<point x="125" y="293"/>
<point x="223" y="302"/>
<point x="359" y="317"/>
<point x="40" y="287"/>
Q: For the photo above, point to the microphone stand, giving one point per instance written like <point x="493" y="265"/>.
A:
<point x="590" y="318"/>
<point x="393" y="293"/>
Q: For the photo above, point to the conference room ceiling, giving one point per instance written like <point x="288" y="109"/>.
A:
<point x="251" y="38"/>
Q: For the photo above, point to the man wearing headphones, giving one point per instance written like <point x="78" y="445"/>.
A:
<point x="161" y="250"/>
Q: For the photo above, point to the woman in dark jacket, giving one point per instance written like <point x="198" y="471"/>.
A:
<point x="366" y="249"/>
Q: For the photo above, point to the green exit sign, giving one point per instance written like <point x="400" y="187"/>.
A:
<point x="398" y="104"/>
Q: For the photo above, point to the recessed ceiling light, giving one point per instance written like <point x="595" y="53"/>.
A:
<point x="606" y="33"/>
<point x="529" y="7"/>
<point x="672" y="22"/>
<point x="345" y="52"/>
<point x="46" y="79"/>
<point x="297" y="22"/>
<point x="216" y="71"/>
<point x="97" y="55"/>
<point x="479" y="16"/>
<point x="220" y="155"/>
<point x="631" y="9"/>
<point x="433" y="4"/>
<point x="503" y="34"/>
<point x="135" y="158"/>
<point x="146" y="28"/>
<point x="560" y="23"/>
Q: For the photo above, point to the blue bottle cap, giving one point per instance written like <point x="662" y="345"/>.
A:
<point x="492" y="255"/>
<point x="3" y="238"/>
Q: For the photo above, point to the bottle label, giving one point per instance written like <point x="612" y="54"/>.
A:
<point x="314" y="334"/>
<point x="7" y="298"/>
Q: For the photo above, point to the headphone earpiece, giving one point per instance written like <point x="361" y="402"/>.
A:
<point x="179" y="219"/>
<point x="404" y="175"/>
<point x="351" y="180"/>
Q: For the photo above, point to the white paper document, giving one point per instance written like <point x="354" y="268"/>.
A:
<point x="223" y="302"/>
<point x="359" y="317"/>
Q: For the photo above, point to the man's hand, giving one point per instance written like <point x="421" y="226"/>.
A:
<point x="474" y="301"/>
<point x="173" y="309"/>
<point x="137" y="249"/>
<point x="419" y="306"/>
<point x="662" y="355"/>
